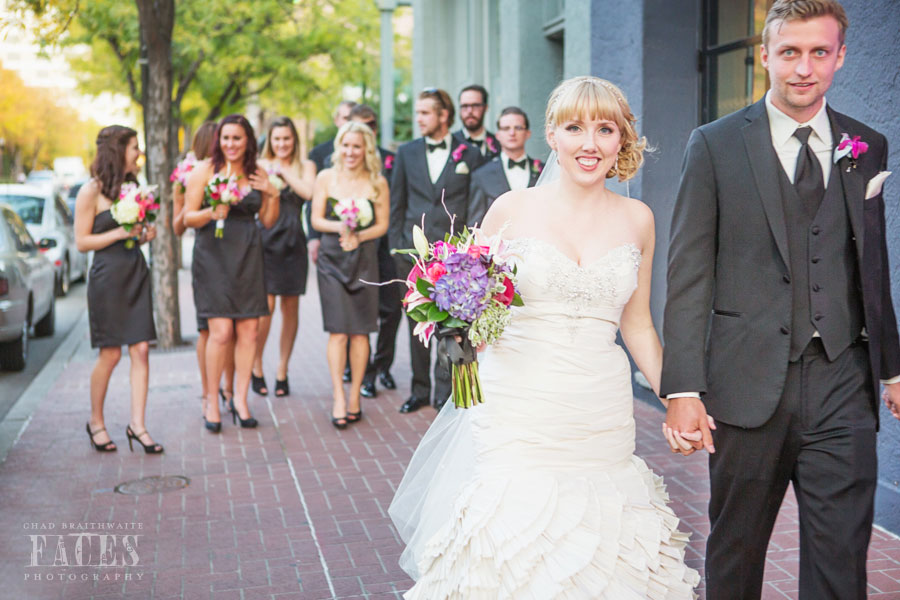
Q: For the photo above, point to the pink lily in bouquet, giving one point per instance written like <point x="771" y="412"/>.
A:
<point x="135" y="205"/>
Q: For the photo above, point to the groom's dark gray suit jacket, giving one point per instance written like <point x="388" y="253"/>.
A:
<point x="728" y="315"/>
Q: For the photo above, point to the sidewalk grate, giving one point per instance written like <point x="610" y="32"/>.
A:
<point x="153" y="485"/>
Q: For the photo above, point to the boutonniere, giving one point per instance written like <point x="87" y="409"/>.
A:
<point x="492" y="146"/>
<point x="536" y="166"/>
<point x="850" y="146"/>
<point x="388" y="162"/>
<point x="458" y="152"/>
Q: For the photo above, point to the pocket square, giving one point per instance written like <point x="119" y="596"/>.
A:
<point x="873" y="188"/>
<point x="462" y="168"/>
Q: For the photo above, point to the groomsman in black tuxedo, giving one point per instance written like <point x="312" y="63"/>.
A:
<point x="473" y="105"/>
<point x="427" y="169"/>
<point x="511" y="170"/>
<point x="390" y="308"/>
<point x="321" y="155"/>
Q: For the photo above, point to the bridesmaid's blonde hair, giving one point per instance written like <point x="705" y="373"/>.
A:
<point x="371" y="162"/>
<point x="593" y="98"/>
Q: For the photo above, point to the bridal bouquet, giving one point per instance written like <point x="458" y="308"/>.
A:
<point x="353" y="213"/>
<point x="459" y="288"/>
<point x="223" y="189"/>
<point x="182" y="170"/>
<point x="136" y="205"/>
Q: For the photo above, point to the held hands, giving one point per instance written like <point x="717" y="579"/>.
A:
<point x="687" y="427"/>
<point x="312" y="246"/>
<point x="891" y="397"/>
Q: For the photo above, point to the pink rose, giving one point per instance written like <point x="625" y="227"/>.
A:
<point x="435" y="271"/>
<point x="506" y="296"/>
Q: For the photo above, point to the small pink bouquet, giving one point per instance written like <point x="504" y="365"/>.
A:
<point x="135" y="205"/>
<point x="460" y="288"/>
<point x="353" y="213"/>
<point x="182" y="170"/>
<point x="223" y="189"/>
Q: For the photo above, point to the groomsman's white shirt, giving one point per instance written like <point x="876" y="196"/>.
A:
<point x="481" y="137"/>
<point x="517" y="178"/>
<point x="437" y="158"/>
<point x="787" y="147"/>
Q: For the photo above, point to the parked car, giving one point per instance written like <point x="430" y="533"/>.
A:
<point x="72" y="193"/>
<point x="50" y="221"/>
<point x="26" y="291"/>
<point x="43" y="179"/>
<point x="69" y="169"/>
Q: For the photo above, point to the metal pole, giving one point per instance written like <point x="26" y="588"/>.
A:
<point x="386" y="111"/>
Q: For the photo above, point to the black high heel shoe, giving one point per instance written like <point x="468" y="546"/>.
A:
<point x="223" y="396"/>
<point x="109" y="446"/>
<point x="354" y="417"/>
<point x="281" y="387"/>
<point x="248" y="423"/>
<point x="259" y="385"/>
<point x="153" y="448"/>
<point x="339" y="422"/>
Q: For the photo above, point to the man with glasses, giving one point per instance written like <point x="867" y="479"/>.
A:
<point x="511" y="170"/>
<point x="473" y="105"/>
<point x="430" y="180"/>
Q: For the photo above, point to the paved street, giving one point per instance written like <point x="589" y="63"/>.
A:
<point x="293" y="509"/>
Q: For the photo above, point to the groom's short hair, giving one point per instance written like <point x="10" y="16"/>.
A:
<point x="793" y="10"/>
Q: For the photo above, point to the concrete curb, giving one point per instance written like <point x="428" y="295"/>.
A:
<point x="19" y="416"/>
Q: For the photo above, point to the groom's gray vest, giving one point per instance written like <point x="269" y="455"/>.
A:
<point x="824" y="271"/>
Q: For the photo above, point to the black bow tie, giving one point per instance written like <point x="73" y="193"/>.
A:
<point x="522" y="164"/>
<point x="478" y="143"/>
<point x="432" y="147"/>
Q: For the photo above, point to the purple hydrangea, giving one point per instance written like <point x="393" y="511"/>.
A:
<point x="463" y="290"/>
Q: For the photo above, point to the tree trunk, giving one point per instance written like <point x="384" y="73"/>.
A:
<point x="157" y="20"/>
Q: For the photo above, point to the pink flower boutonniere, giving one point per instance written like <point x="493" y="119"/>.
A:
<point x="388" y="162"/>
<point x="537" y="166"/>
<point x="852" y="147"/>
<point x="492" y="146"/>
<point x="458" y="152"/>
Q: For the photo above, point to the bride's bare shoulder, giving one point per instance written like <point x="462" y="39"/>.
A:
<point x="510" y="209"/>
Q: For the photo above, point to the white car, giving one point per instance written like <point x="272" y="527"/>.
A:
<point x="26" y="291"/>
<point x="49" y="220"/>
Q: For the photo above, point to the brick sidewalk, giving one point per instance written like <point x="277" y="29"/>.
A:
<point x="293" y="509"/>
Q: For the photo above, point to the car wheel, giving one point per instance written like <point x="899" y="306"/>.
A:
<point x="14" y="353"/>
<point x="64" y="281"/>
<point x="46" y="326"/>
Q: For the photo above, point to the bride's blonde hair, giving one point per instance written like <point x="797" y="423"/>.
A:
<point x="597" y="99"/>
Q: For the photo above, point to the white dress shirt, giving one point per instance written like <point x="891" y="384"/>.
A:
<point x="481" y="138"/>
<point x="787" y="147"/>
<point x="517" y="178"/>
<point x="437" y="159"/>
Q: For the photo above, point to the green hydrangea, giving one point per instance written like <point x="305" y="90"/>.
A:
<point x="490" y="325"/>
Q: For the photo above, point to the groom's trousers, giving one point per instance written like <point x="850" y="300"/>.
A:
<point x="822" y="439"/>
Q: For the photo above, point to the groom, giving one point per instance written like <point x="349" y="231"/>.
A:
<point x="779" y="315"/>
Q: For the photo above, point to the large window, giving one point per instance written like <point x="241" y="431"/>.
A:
<point x="732" y="74"/>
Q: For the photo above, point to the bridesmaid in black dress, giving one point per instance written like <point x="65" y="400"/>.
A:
<point x="119" y="303"/>
<point x="348" y="257"/>
<point x="200" y="148"/>
<point x="284" y="247"/>
<point x="229" y="289"/>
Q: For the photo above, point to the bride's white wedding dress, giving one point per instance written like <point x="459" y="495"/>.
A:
<point x="536" y="493"/>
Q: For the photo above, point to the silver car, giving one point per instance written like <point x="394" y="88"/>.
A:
<point x="26" y="291"/>
<point x="49" y="220"/>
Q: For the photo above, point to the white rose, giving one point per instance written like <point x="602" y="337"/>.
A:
<point x="365" y="214"/>
<point x="126" y="210"/>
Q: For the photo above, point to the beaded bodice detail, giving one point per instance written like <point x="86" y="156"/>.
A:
<point x="558" y="290"/>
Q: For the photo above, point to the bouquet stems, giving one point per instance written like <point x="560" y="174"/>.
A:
<point x="466" y="385"/>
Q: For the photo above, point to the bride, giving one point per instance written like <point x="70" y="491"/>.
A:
<point x="536" y="493"/>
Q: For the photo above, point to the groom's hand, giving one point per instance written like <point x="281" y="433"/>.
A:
<point x="687" y="420"/>
<point x="891" y="397"/>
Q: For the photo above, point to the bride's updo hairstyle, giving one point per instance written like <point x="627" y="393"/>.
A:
<point x="593" y="98"/>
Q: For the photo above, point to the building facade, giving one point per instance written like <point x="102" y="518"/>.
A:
<point x="681" y="63"/>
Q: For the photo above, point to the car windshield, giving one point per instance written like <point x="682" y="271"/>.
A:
<point x="30" y="208"/>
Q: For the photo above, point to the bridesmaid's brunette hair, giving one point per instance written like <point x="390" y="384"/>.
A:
<point x="108" y="167"/>
<point x="269" y="154"/>
<point x="597" y="99"/>
<point x="203" y="140"/>
<point x="218" y="157"/>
